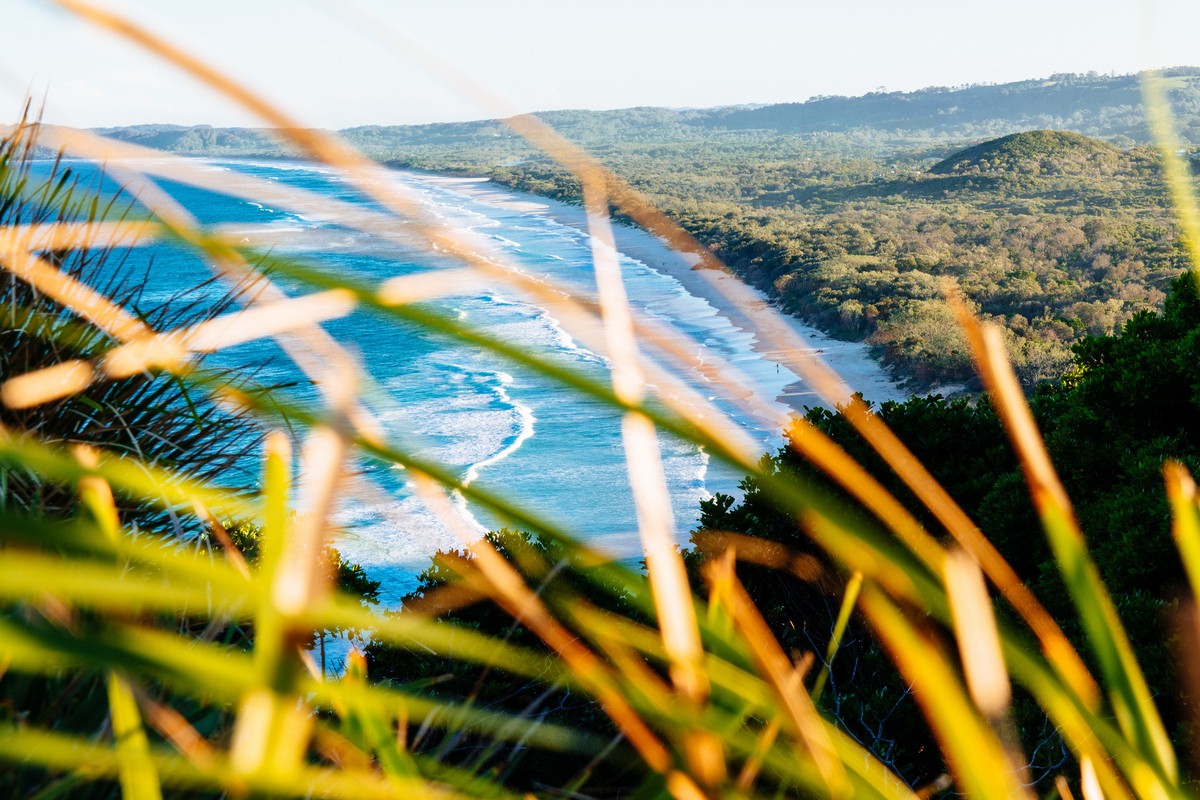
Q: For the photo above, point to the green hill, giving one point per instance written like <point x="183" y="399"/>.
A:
<point x="1035" y="153"/>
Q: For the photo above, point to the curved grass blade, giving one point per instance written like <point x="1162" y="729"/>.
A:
<point x="1128" y="692"/>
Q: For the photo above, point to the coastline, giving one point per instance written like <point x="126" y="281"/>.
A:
<point x="753" y="312"/>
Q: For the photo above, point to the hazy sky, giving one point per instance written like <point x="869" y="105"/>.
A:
<point x="336" y="64"/>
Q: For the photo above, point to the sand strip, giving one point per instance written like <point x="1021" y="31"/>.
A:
<point x="851" y="360"/>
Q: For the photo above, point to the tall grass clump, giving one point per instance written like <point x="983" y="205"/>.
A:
<point x="150" y="646"/>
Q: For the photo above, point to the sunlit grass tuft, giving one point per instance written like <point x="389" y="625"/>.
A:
<point x="199" y="660"/>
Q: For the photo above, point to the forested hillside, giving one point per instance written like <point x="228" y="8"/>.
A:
<point x="854" y="211"/>
<point x="1054" y="235"/>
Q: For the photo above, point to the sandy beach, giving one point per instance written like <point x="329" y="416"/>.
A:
<point x="778" y="336"/>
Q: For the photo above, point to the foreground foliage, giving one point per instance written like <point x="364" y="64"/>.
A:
<point x="684" y="687"/>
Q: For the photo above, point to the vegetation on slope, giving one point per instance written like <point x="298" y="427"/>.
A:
<point x="852" y="211"/>
<point x="1032" y="153"/>
<point x="1054" y="236"/>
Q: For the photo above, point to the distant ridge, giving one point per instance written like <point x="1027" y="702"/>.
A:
<point x="1097" y="105"/>
<point x="1100" y="106"/>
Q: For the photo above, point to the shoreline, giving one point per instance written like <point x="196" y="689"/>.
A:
<point x="753" y="312"/>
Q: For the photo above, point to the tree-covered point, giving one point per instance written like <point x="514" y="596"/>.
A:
<point x="1137" y="392"/>
<point x="1128" y="403"/>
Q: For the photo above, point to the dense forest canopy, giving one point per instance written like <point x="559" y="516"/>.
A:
<point x="853" y="212"/>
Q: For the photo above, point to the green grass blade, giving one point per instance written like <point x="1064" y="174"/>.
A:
<point x="139" y="780"/>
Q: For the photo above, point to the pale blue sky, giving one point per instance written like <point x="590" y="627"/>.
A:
<point x="334" y="66"/>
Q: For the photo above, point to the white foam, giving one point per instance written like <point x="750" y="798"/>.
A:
<point x="526" y="430"/>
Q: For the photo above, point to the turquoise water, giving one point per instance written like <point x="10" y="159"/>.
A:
<point x="488" y="420"/>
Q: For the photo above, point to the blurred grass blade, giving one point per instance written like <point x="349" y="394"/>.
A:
<point x="1176" y="172"/>
<point x="139" y="780"/>
<point x="976" y="757"/>
<point x="978" y="639"/>
<point x="1089" y="786"/>
<point x="1130" y="696"/>
<point x="1185" y="520"/>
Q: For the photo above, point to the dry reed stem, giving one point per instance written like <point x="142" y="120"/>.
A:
<point x="976" y="634"/>
<point x="46" y="385"/>
<point x="1063" y="788"/>
<point x="987" y="345"/>
<point x="763" y="552"/>
<point x="172" y="350"/>
<point x="656" y="520"/>
<point x="232" y="554"/>
<point x="173" y="727"/>
<point x="981" y="653"/>
<point x="1089" y="784"/>
<point x="301" y="581"/>
<point x="652" y="501"/>
<point x="750" y="769"/>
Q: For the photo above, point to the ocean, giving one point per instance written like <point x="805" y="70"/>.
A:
<point x="488" y="420"/>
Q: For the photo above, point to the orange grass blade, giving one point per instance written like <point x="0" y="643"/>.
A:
<point x="88" y="303"/>
<point x="779" y="673"/>
<point x="71" y="235"/>
<point x="1134" y="706"/>
<point x="656" y="522"/>
<point x="976" y="757"/>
